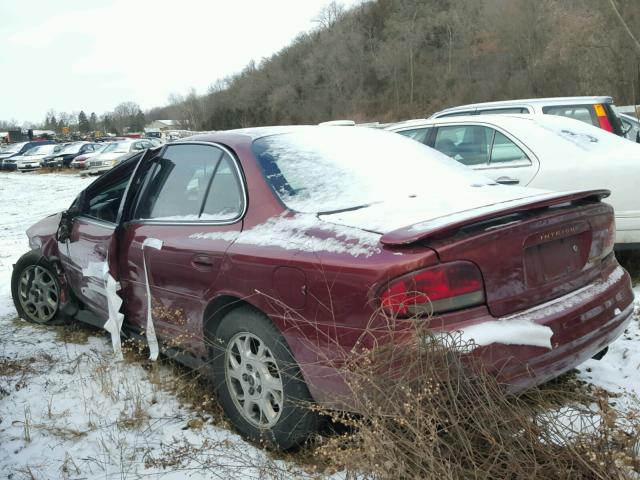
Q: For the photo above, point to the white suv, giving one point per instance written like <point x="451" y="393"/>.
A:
<point x="596" y="111"/>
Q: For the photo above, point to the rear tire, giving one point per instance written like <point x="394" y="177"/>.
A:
<point x="36" y="290"/>
<point x="259" y="383"/>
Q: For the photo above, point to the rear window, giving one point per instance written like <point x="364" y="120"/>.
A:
<point x="583" y="113"/>
<point x="418" y="134"/>
<point x="326" y="169"/>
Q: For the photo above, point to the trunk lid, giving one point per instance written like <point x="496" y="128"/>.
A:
<point x="533" y="255"/>
<point x="529" y="249"/>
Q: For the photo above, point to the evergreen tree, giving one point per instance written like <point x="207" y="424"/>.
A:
<point x="139" y="122"/>
<point x="93" y="121"/>
<point x="83" y="123"/>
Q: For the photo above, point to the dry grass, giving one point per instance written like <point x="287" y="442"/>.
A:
<point x="429" y="411"/>
<point x="425" y="410"/>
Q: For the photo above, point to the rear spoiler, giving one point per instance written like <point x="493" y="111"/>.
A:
<point x="449" y="224"/>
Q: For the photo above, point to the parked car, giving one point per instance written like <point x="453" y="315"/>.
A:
<point x="32" y="158"/>
<point x="155" y="142"/>
<point x="631" y="126"/>
<point x="114" y="151"/>
<point x="542" y="151"/>
<point x="64" y="157"/>
<point x="265" y="254"/>
<point x="82" y="161"/>
<point x="597" y="111"/>
<point x="15" y="149"/>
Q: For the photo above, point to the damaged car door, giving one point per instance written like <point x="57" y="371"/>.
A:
<point x="187" y="213"/>
<point x="89" y="251"/>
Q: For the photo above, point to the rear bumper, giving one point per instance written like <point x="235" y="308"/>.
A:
<point x="583" y="323"/>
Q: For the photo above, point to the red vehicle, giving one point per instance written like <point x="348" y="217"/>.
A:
<point x="261" y="250"/>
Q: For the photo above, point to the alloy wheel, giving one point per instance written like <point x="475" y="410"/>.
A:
<point x="38" y="293"/>
<point x="254" y="380"/>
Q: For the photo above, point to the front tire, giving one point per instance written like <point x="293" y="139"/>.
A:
<point x="259" y="383"/>
<point x="36" y="290"/>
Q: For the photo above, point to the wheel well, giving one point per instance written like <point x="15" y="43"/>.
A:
<point x="216" y="311"/>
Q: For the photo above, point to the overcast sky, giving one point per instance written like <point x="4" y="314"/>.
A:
<point x="72" y="55"/>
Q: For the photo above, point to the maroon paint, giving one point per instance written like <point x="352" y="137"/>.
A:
<point x="333" y="296"/>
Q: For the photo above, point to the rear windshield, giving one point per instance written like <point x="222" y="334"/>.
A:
<point x="326" y="169"/>
<point x="584" y="113"/>
<point x="41" y="149"/>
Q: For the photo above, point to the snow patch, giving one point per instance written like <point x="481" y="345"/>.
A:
<point x="508" y="332"/>
<point x="521" y="328"/>
<point x="303" y="232"/>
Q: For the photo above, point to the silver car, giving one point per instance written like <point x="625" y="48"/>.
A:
<point x="597" y="111"/>
<point x="116" y="150"/>
<point x="631" y="126"/>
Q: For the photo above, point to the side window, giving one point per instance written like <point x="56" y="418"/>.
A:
<point x="468" y="144"/>
<point x="103" y="202"/>
<point x="182" y="185"/>
<point x="224" y="199"/>
<point x="418" y="134"/>
<point x="457" y="114"/>
<point x="504" y="150"/>
<point x="584" y="113"/>
<point x="500" y="111"/>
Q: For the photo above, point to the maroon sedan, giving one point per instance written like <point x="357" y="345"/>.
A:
<point x="266" y="252"/>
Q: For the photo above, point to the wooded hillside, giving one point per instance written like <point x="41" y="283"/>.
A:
<point x="389" y="60"/>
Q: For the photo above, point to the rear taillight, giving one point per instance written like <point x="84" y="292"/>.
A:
<point x="603" y="119"/>
<point x="446" y="287"/>
<point x="611" y="238"/>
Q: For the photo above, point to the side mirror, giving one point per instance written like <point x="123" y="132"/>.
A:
<point x="65" y="226"/>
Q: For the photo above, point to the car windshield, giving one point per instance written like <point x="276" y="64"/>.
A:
<point x="40" y="150"/>
<point x="117" y="147"/>
<point x="326" y="169"/>
<point x="14" y="148"/>
<point x="72" y="148"/>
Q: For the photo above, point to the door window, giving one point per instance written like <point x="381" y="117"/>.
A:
<point x="103" y="201"/>
<point x="468" y="144"/>
<point x="192" y="182"/>
<point x="505" y="151"/>
<point x="224" y="199"/>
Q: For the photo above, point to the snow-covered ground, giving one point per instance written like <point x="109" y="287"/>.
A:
<point x="68" y="411"/>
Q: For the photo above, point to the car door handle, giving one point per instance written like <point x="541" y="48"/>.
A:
<point x="202" y="262"/>
<point x="508" y="181"/>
